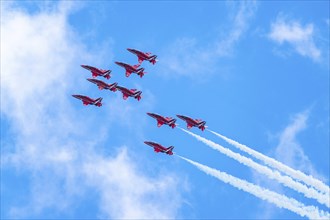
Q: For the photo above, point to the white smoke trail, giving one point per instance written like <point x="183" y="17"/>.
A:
<point x="279" y="200"/>
<point x="272" y="174"/>
<point x="296" y="174"/>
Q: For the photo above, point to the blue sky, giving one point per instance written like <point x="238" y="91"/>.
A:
<point x="257" y="72"/>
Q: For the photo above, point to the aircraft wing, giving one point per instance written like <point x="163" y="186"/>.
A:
<point x="128" y="73"/>
<point x="86" y="100"/>
<point x="153" y="115"/>
<point x="159" y="123"/>
<point x="153" y="144"/>
<point x="120" y="88"/>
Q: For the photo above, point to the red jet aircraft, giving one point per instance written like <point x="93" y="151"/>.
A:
<point x="97" y="72"/>
<point x="103" y="85"/>
<point x="132" y="69"/>
<point x="89" y="101"/>
<point x="163" y="120"/>
<point x="129" y="92"/>
<point x="143" y="56"/>
<point x="159" y="148"/>
<point x="193" y="122"/>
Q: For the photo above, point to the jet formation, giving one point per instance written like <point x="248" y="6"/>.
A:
<point x="136" y="94"/>
<point x="97" y="72"/>
<point x="199" y="123"/>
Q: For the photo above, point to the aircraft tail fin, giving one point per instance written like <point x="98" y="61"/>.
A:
<point x="141" y="74"/>
<point x="98" y="101"/>
<point x="202" y="127"/>
<point x="169" y="149"/>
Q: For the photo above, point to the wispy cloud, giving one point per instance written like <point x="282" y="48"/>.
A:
<point x="240" y="24"/>
<point x="185" y="57"/>
<point x="290" y="152"/>
<point x="128" y="194"/>
<point x="39" y="54"/>
<point x="191" y="58"/>
<point x="289" y="149"/>
<point x="300" y="37"/>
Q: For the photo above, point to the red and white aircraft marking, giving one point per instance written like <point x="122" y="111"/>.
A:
<point x="132" y="69"/>
<point x="163" y="120"/>
<point x="97" y="72"/>
<point x="129" y="92"/>
<point x="89" y="101"/>
<point x="159" y="148"/>
<point x="143" y="56"/>
<point x="103" y="85"/>
<point x="193" y="122"/>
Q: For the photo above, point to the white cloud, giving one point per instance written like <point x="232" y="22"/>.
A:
<point x="327" y="21"/>
<point x="289" y="150"/>
<point x="240" y="25"/>
<point x="127" y="194"/>
<point x="300" y="37"/>
<point x="39" y="55"/>
<point x="187" y="57"/>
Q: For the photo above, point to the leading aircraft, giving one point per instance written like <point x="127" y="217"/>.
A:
<point x="159" y="148"/>
<point x="163" y="120"/>
<point x="103" y="85"/>
<point x="143" y="56"/>
<point x="89" y="101"/>
<point x="193" y="122"/>
<point x="129" y="92"/>
<point x="132" y="69"/>
<point x="97" y="72"/>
